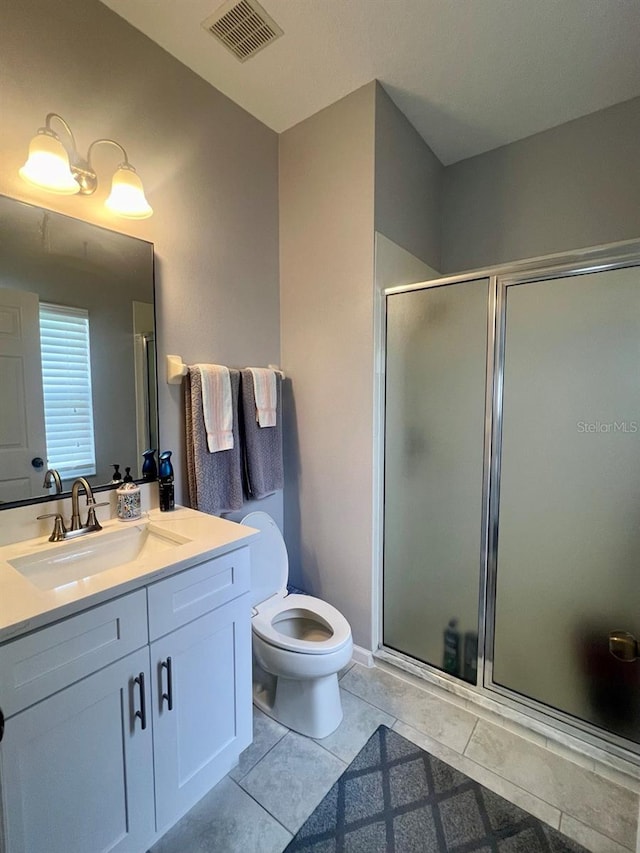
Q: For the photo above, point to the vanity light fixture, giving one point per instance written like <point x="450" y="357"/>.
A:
<point x="59" y="168"/>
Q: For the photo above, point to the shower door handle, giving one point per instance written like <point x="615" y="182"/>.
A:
<point x="623" y="646"/>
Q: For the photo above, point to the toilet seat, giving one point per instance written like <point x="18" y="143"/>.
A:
<point x="301" y="606"/>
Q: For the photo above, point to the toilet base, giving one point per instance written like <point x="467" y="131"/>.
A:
<point x="311" y="707"/>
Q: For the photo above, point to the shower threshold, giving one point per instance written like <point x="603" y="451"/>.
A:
<point x="579" y="737"/>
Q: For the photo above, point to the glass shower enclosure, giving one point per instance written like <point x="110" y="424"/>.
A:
<point x="512" y="489"/>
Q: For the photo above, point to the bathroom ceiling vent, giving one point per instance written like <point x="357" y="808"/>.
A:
<point x="243" y="27"/>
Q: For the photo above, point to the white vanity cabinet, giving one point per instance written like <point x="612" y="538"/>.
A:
<point x="77" y="766"/>
<point x="120" y="718"/>
<point x="200" y="679"/>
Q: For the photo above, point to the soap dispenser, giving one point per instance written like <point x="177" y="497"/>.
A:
<point x="117" y="476"/>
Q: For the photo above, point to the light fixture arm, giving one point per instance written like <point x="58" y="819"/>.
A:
<point x="111" y="142"/>
<point x="47" y="129"/>
<point x="84" y="172"/>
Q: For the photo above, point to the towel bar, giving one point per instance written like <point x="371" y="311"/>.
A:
<point x="176" y="369"/>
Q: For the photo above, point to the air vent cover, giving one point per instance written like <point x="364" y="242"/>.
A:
<point x="243" y="27"/>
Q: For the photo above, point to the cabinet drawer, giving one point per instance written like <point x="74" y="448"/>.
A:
<point x="183" y="597"/>
<point x="44" y="662"/>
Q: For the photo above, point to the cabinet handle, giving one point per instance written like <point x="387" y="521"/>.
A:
<point x="1" y="724"/>
<point x="142" y="713"/>
<point x="166" y="664"/>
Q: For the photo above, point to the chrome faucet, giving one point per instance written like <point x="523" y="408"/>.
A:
<point x="76" y="524"/>
<point x="61" y="532"/>
<point x="52" y="476"/>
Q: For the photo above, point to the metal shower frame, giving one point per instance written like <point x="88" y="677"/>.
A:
<point x="487" y="692"/>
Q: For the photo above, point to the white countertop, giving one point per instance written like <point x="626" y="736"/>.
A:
<point x="24" y="607"/>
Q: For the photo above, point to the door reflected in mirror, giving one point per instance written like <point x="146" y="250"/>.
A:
<point x="78" y="385"/>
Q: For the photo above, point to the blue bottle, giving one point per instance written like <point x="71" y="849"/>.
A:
<point x="167" y="501"/>
<point x="166" y="468"/>
<point x="149" y="467"/>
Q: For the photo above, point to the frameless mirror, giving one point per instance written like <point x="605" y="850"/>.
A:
<point x="78" y="388"/>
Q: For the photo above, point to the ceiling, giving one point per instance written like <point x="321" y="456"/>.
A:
<point x="470" y="75"/>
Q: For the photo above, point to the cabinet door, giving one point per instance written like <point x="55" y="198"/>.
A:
<point x="199" y="738"/>
<point x="77" y="768"/>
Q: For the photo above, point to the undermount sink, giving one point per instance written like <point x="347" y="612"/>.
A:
<point x="68" y="562"/>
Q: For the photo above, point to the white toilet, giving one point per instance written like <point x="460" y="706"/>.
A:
<point x="299" y="642"/>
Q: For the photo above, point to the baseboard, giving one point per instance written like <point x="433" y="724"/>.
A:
<point x="362" y="656"/>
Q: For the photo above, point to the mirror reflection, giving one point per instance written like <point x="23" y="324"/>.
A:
<point x="78" y="390"/>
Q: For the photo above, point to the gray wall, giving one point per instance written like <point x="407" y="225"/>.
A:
<point x="572" y="186"/>
<point x="326" y="268"/>
<point x="408" y="184"/>
<point x="210" y="171"/>
<point x="353" y="168"/>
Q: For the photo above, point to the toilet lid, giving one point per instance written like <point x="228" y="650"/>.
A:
<point x="269" y="560"/>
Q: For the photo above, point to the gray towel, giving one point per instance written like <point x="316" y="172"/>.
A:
<point x="215" y="479"/>
<point x="262" y="445"/>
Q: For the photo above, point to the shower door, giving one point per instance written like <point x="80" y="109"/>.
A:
<point x="566" y="497"/>
<point x="436" y="362"/>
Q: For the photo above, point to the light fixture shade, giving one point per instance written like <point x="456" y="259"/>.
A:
<point x="47" y="165"/>
<point x="127" y="194"/>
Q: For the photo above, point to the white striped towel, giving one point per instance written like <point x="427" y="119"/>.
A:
<point x="217" y="406"/>
<point x="266" y="393"/>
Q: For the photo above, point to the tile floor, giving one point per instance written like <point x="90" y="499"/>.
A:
<point x="282" y="776"/>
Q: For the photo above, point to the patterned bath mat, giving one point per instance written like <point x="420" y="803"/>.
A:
<point x="396" y="798"/>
